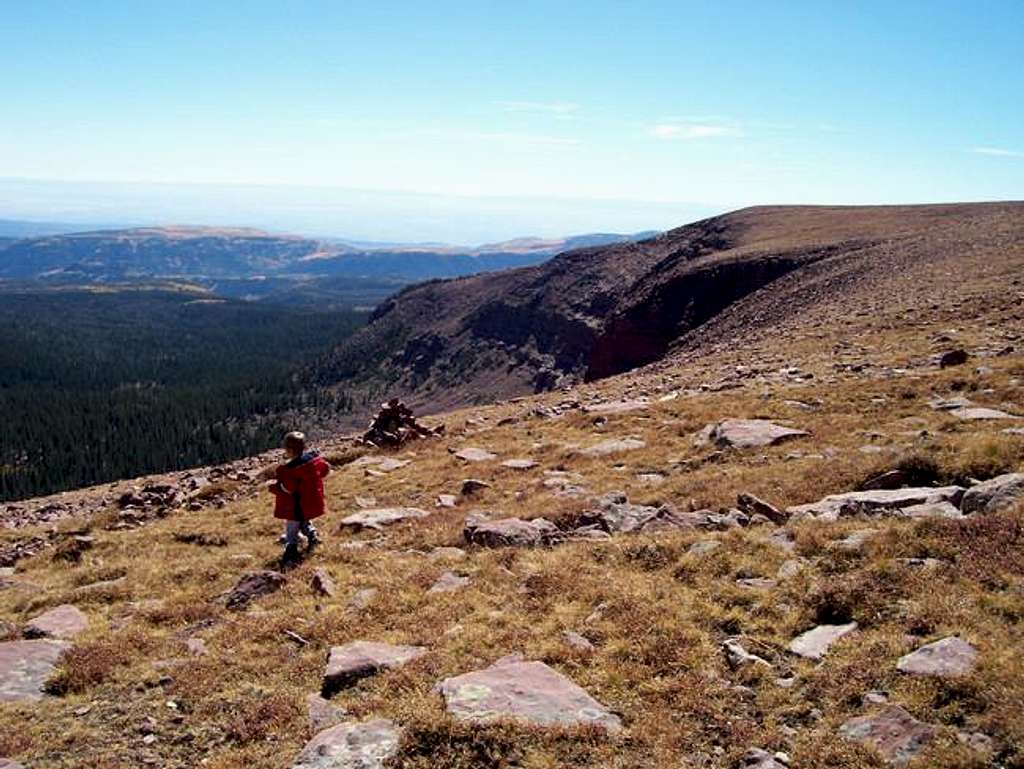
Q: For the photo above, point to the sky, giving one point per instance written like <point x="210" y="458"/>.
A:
<point x="474" y="121"/>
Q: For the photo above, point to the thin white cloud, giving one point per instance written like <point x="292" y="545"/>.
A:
<point x="561" y="109"/>
<point x="524" y="139"/>
<point x="687" y="129"/>
<point x="997" y="152"/>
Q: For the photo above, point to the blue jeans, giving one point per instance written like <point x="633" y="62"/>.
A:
<point x="292" y="529"/>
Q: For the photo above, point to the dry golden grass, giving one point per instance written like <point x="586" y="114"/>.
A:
<point x="656" y="613"/>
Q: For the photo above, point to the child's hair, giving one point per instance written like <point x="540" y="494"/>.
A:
<point x="295" y="441"/>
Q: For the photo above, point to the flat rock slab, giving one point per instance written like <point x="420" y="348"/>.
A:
<point x="947" y="658"/>
<point x="472" y="454"/>
<point x="893" y="732"/>
<point x="365" y="745"/>
<point x="616" y="407"/>
<point x="612" y="446"/>
<point x="510" y="532"/>
<point x="816" y="642"/>
<point x="25" y="667"/>
<point x="747" y="434"/>
<point x="999" y="493"/>
<point x="65" y="621"/>
<point x="978" y="413"/>
<point x="519" y="464"/>
<point x="361" y="659"/>
<point x="379" y="517"/>
<point x="880" y="501"/>
<point x="524" y="691"/>
<point x="448" y="583"/>
<point x="933" y="510"/>
<point x="322" y="713"/>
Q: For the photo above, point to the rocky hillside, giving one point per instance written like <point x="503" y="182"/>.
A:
<point x="798" y="545"/>
<point x="596" y="312"/>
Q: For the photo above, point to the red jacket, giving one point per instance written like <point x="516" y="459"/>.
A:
<point x="299" y="489"/>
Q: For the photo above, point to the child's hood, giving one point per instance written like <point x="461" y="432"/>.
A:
<point x="309" y="456"/>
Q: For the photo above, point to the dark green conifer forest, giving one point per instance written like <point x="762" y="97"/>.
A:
<point x="101" y="384"/>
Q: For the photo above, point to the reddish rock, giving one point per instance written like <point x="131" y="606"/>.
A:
<point x="322" y="713"/>
<point x="65" y="621"/>
<point x="752" y="505"/>
<point x="508" y="532"/>
<point x="947" y="658"/>
<point x="322" y="583"/>
<point x="361" y="659"/>
<point x="25" y="667"/>
<point x="251" y="586"/>
<point x="377" y="518"/>
<point x="893" y="732"/>
<point x="525" y="691"/>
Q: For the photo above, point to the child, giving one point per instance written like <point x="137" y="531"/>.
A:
<point x="299" y="494"/>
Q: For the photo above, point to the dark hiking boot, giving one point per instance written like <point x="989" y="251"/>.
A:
<point x="290" y="556"/>
<point x="312" y="540"/>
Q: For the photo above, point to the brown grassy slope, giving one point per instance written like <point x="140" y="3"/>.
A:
<point x="594" y="312"/>
<point x="655" y="613"/>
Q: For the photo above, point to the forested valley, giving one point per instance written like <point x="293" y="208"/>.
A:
<point x="100" y="384"/>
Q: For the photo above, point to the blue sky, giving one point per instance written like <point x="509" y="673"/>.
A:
<point x="472" y="121"/>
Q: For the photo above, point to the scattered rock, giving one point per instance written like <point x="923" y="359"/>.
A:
<point x="447" y="554"/>
<point x="612" y="446"/>
<point x="737" y="657"/>
<point x="881" y="502"/>
<point x="196" y="647"/>
<point x="976" y="741"/>
<point x="322" y="583"/>
<point x="947" y="658"/>
<point x="893" y="732"/>
<point x="854" y="541"/>
<point x="616" y="407"/>
<point x="322" y="713"/>
<point x="362" y="598"/>
<point x="953" y="358"/>
<point x="816" y="642"/>
<point x="378" y="517"/>
<point x="472" y="454"/>
<point x="251" y="586"/>
<point x="747" y="434"/>
<point x="25" y="666"/>
<point x="519" y="464"/>
<point x="755" y="758"/>
<point x="756" y="583"/>
<point x="950" y="404"/>
<point x="6" y="763"/>
<point x="472" y="486"/>
<point x="508" y="532"/>
<point x="999" y="493"/>
<point x="752" y="505"/>
<point x="703" y="547"/>
<point x="360" y="659"/>
<point x="64" y="622"/>
<point x="363" y="745"/>
<point x="525" y="691"/>
<point x="446" y="500"/>
<point x="790" y="568"/>
<point x="449" y="582"/>
<point x="577" y="641"/>
<point x="980" y="413"/>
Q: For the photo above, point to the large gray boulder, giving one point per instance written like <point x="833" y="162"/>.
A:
<point x="361" y="659"/>
<point x="747" y="434"/>
<point x="947" y="658"/>
<point x="878" y="502"/>
<point x="525" y="691"/>
<point x="363" y="745"/>
<point x="378" y="517"/>
<point x="1000" y="493"/>
<point x="893" y="732"/>
<point x="25" y="667"/>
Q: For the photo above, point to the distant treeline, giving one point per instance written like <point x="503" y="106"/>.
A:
<point x="100" y="385"/>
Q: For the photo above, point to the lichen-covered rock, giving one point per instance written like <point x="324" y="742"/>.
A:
<point x="510" y="532"/>
<point x="364" y="745"/>
<point x="999" y="493"/>
<point x="360" y="659"/>
<point x="949" y="657"/>
<point x="893" y="732"/>
<point x="65" y="621"/>
<point x="816" y="642"/>
<point x="526" y="691"/>
<point x="25" y="667"/>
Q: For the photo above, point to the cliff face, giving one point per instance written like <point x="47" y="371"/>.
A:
<point x="595" y="312"/>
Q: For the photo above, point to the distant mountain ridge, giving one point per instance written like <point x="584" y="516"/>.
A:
<point x="595" y="312"/>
